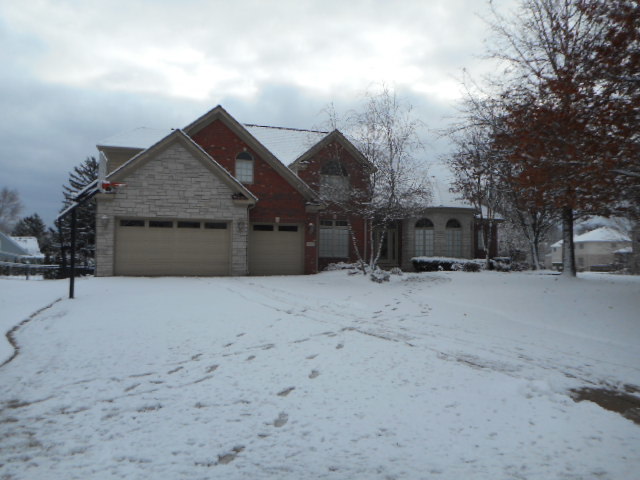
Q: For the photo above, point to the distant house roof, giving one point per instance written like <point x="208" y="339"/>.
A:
<point x="602" y="234"/>
<point x="12" y="247"/>
<point x="30" y="245"/>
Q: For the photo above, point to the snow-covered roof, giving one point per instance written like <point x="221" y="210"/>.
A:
<point x="29" y="244"/>
<point x="602" y="234"/>
<point x="624" y="251"/>
<point x="442" y="196"/>
<point x="286" y="144"/>
<point x="142" y="137"/>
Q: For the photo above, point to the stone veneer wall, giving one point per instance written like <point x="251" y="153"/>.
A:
<point x="439" y="217"/>
<point x="172" y="184"/>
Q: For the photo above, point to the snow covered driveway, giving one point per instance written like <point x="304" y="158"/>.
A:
<point x="433" y="376"/>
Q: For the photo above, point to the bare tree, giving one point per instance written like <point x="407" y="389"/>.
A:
<point x="387" y="133"/>
<point x="10" y="208"/>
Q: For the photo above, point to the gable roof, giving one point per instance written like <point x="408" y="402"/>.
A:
<point x="334" y="136"/>
<point x="195" y="149"/>
<point x="220" y="114"/>
<point x="30" y="245"/>
<point x="140" y="138"/>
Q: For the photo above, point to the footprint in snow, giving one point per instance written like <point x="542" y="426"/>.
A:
<point x="339" y="346"/>
<point x="251" y="357"/>
<point x="282" y="419"/>
<point x="177" y="369"/>
<point x="212" y="368"/>
<point x="286" y="391"/>
<point x="311" y="357"/>
<point x="314" y="374"/>
<point x="230" y="457"/>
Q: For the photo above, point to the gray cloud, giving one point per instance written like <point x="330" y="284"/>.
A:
<point x="76" y="72"/>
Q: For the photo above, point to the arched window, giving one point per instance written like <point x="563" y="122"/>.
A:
<point x="424" y="238"/>
<point x="334" y="181"/>
<point x="454" y="238"/>
<point x="244" y="167"/>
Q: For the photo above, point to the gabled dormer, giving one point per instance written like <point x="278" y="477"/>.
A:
<point x="334" y="168"/>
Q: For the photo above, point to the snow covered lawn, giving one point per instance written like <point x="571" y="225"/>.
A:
<point x="432" y="376"/>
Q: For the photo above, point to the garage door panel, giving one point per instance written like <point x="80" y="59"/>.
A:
<point x="146" y="250"/>
<point x="276" y="249"/>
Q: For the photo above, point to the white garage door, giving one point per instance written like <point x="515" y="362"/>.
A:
<point x="276" y="249"/>
<point x="172" y="247"/>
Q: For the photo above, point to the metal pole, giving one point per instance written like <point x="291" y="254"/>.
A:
<point x="73" y="254"/>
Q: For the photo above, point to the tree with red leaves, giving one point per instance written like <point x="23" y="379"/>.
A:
<point x="568" y="122"/>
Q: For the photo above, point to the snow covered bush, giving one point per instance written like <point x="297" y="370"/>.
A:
<point x="471" y="267"/>
<point x="380" y="276"/>
<point x="332" y="267"/>
<point x="501" y="264"/>
<point x="396" y="271"/>
<point x="440" y="264"/>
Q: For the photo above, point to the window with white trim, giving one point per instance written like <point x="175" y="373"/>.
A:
<point x="244" y="167"/>
<point x="333" y="237"/>
<point x="454" y="238"/>
<point x="424" y="238"/>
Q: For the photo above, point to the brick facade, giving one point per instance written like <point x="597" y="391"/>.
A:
<point x="279" y="201"/>
<point x="309" y="171"/>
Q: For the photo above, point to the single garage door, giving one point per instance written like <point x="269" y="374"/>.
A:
<point x="172" y="247"/>
<point x="276" y="249"/>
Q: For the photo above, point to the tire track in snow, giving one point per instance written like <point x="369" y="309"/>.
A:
<point x="11" y="334"/>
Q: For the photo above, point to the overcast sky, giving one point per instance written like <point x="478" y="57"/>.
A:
<point x="76" y="72"/>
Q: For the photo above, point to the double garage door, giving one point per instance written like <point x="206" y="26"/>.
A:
<point x="153" y="247"/>
<point x="172" y="247"/>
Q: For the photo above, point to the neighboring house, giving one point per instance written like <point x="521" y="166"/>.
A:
<point x="594" y="250"/>
<point x="222" y="198"/>
<point x="20" y="249"/>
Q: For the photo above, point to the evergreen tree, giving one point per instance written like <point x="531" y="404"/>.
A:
<point x="81" y="176"/>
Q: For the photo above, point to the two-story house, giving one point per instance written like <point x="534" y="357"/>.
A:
<point x="221" y="198"/>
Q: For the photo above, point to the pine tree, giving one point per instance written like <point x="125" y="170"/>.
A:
<point x="81" y="176"/>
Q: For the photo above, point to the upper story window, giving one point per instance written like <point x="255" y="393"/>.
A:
<point x="244" y="167"/>
<point x="424" y="238"/>
<point x="334" y="181"/>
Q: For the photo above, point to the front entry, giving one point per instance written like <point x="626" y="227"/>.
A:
<point x="389" y="250"/>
